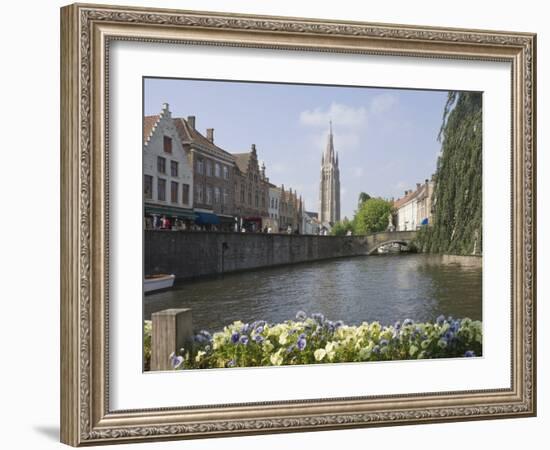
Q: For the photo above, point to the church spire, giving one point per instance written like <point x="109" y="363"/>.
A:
<point x="329" y="192"/>
<point x="328" y="156"/>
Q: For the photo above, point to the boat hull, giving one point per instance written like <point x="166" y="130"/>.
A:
<point x="158" y="283"/>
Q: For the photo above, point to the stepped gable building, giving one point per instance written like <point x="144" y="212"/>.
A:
<point x="329" y="191"/>
<point x="213" y="172"/>
<point x="251" y="191"/>
<point x="290" y="211"/>
<point x="167" y="171"/>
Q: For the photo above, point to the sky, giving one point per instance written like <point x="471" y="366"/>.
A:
<point x="386" y="138"/>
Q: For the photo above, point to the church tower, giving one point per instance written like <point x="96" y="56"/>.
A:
<point x="329" y="192"/>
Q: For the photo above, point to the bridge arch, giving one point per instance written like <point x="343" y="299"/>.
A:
<point x="375" y="247"/>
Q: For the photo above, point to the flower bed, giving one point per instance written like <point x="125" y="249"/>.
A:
<point x="316" y="340"/>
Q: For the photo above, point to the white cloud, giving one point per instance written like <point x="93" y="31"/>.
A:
<point x="343" y="116"/>
<point x="382" y="103"/>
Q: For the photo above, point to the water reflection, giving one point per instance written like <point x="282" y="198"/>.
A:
<point x="383" y="288"/>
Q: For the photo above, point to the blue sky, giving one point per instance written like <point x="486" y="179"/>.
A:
<point x="386" y="138"/>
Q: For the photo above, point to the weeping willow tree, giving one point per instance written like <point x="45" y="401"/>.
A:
<point x="457" y="197"/>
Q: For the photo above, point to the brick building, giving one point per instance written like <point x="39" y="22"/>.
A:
<point x="213" y="172"/>
<point x="251" y="191"/>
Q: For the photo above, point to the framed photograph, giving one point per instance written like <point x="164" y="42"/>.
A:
<point x="280" y="224"/>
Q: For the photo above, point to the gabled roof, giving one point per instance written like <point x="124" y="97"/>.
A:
<point x="189" y="134"/>
<point x="406" y="199"/>
<point x="242" y="160"/>
<point x="149" y="123"/>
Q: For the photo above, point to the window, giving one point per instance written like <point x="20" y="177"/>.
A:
<point x="161" y="164"/>
<point x="161" y="189"/>
<point x="242" y="193"/>
<point x="263" y="201"/>
<point x="217" y="197"/>
<point x="174" y="189"/>
<point x="225" y="196"/>
<point x="208" y="195"/>
<point x="185" y="194"/>
<point x="174" y="168"/>
<point x="148" y="186"/>
<point x="256" y="200"/>
<point x="218" y="170"/>
<point x="208" y="167"/>
<point x="199" y="193"/>
<point x="226" y="172"/>
<point x="250" y="198"/>
<point x="200" y="165"/>
<point x="167" y="144"/>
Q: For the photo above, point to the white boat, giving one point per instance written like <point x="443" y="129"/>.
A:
<point x="157" y="282"/>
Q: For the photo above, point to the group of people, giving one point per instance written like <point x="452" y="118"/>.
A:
<point x="162" y="222"/>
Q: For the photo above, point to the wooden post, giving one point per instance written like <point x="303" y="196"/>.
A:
<point x="172" y="329"/>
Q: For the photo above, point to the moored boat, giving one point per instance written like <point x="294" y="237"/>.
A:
<point x="157" y="282"/>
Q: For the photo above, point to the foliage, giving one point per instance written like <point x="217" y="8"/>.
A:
<point x="457" y="198"/>
<point x="363" y="197"/>
<point x="372" y="216"/>
<point x="316" y="340"/>
<point x="342" y="228"/>
<point x="147" y="328"/>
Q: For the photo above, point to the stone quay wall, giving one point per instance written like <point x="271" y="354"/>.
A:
<point x="191" y="254"/>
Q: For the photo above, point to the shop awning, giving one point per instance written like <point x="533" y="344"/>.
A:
<point x="226" y="219"/>
<point x="170" y="211"/>
<point x="206" y="218"/>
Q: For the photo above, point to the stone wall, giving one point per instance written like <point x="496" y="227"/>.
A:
<point x="190" y="254"/>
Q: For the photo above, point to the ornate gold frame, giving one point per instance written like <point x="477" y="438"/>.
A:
<point x="86" y="31"/>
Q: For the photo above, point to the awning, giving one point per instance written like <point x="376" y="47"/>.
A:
<point x="424" y="221"/>
<point x="206" y="218"/>
<point x="226" y="219"/>
<point x="170" y="211"/>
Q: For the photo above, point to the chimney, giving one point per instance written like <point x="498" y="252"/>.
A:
<point x="417" y="186"/>
<point x="191" y="121"/>
<point x="253" y="148"/>
<point x="210" y="134"/>
<point x="406" y="193"/>
<point x="426" y="181"/>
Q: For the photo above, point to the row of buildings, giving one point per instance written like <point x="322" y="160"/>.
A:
<point x="192" y="183"/>
<point x="414" y="209"/>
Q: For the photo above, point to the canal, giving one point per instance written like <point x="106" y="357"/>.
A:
<point x="365" y="288"/>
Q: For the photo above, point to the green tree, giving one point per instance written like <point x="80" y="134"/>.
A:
<point x="363" y="197"/>
<point x="372" y="216"/>
<point x="457" y="199"/>
<point x="341" y="228"/>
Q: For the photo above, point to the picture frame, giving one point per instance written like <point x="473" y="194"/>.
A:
<point x="87" y="32"/>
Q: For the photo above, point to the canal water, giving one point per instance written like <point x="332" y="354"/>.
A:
<point x="385" y="288"/>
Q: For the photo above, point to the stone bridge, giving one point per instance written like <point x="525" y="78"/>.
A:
<point x="190" y="254"/>
<point x="373" y="242"/>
